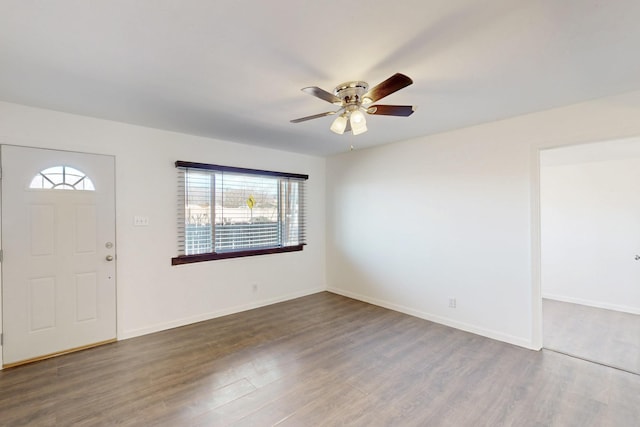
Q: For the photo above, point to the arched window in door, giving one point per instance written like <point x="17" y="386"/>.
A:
<point x="62" y="178"/>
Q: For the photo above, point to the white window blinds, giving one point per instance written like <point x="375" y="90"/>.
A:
<point x="223" y="209"/>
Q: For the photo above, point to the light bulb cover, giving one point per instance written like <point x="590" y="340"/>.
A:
<point x="358" y="122"/>
<point x="356" y="117"/>
<point x="339" y="124"/>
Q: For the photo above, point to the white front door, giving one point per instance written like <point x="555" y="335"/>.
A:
<point x="58" y="243"/>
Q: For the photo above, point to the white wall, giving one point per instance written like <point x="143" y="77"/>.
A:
<point x="411" y="224"/>
<point x="590" y="216"/>
<point x="153" y="295"/>
<point x="450" y="215"/>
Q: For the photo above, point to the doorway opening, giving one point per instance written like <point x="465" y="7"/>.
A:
<point x="590" y="251"/>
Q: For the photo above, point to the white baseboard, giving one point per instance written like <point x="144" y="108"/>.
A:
<point x="590" y="303"/>
<point x="499" y="336"/>
<point x="212" y="315"/>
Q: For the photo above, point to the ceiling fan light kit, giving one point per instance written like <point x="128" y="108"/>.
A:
<point x="354" y="99"/>
<point x="339" y="124"/>
<point x="358" y="122"/>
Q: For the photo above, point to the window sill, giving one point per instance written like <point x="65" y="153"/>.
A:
<point x="189" y="259"/>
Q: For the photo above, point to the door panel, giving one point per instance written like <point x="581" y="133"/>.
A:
<point x="42" y="218"/>
<point x="42" y="304"/>
<point x="87" y="297"/>
<point x="58" y="287"/>
<point x="86" y="226"/>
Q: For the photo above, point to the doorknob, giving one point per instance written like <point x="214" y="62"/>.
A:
<point x="637" y="258"/>
<point x="109" y="258"/>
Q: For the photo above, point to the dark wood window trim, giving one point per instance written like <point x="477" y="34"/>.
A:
<point x="189" y="259"/>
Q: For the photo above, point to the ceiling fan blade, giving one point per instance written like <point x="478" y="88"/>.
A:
<point x="322" y="94"/>
<point x="391" y="110"/>
<point x="315" y="116"/>
<point x="387" y="87"/>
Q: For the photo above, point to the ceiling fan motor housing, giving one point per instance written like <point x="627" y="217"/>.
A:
<point x="351" y="92"/>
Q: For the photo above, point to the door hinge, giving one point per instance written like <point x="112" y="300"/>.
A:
<point x="1" y="255"/>
<point x="1" y="339"/>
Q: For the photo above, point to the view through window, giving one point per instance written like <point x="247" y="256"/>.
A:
<point x="226" y="210"/>
<point x="61" y="178"/>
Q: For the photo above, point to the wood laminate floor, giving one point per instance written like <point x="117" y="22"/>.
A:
<point x="321" y="360"/>
<point x="603" y="336"/>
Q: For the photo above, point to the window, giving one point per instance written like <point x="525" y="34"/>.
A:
<point x="228" y="212"/>
<point x="61" y="178"/>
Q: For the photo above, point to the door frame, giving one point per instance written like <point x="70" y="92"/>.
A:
<point x="634" y="140"/>
<point x="25" y="144"/>
<point x="536" y="229"/>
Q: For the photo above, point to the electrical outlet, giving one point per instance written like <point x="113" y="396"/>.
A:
<point x="452" y="303"/>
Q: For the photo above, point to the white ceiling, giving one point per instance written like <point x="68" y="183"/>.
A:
<point x="233" y="69"/>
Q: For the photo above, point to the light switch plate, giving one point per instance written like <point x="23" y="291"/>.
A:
<point x="140" y="221"/>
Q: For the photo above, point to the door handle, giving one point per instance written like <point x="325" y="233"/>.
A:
<point x="637" y="258"/>
<point x="109" y="258"/>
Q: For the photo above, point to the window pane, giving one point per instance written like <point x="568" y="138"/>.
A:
<point x="62" y="178"/>
<point x="246" y="212"/>
<point x="226" y="211"/>
<point x="292" y="199"/>
<point x="198" y="202"/>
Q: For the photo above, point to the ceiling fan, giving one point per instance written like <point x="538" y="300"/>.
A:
<point x="354" y="98"/>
